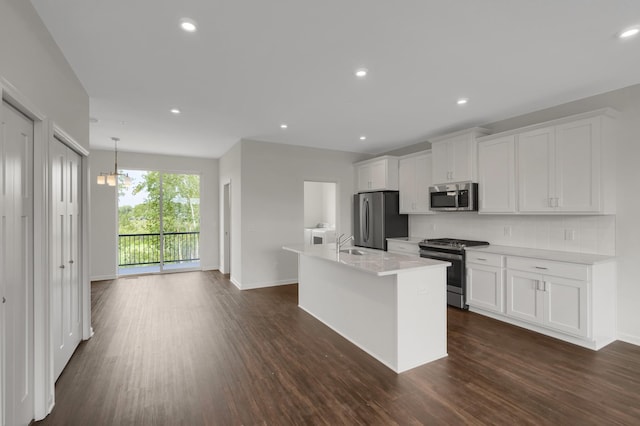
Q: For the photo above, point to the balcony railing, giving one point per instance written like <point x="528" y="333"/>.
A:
<point x="144" y="249"/>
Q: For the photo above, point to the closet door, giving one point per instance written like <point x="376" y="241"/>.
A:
<point x="65" y="232"/>
<point x="16" y="269"/>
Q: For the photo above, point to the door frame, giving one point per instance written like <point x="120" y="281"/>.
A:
<point x="42" y="386"/>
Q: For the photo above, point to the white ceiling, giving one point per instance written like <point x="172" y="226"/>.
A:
<point x="255" y="64"/>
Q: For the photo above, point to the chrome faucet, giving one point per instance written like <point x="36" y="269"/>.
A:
<point x="340" y="242"/>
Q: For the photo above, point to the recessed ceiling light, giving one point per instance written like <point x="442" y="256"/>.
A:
<point x="629" y="32"/>
<point x="283" y="126"/>
<point x="462" y="101"/>
<point x="175" y="111"/>
<point x="362" y="138"/>
<point x="361" y="72"/>
<point x="188" y="25"/>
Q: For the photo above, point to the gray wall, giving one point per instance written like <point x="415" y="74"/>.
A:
<point x="272" y="206"/>
<point x="32" y="62"/>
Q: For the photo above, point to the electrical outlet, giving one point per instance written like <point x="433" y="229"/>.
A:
<point x="507" y="231"/>
<point x="569" y="234"/>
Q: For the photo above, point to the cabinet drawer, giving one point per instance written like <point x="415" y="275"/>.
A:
<point x="549" y="267"/>
<point x="489" y="259"/>
<point x="403" y="248"/>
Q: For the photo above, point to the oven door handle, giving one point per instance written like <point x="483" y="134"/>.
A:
<point x="439" y="255"/>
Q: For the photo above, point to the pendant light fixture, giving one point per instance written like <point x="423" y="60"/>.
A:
<point x="112" y="178"/>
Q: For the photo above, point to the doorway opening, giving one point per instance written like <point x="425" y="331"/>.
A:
<point x="226" y="213"/>
<point x="319" y="212"/>
<point x="158" y="223"/>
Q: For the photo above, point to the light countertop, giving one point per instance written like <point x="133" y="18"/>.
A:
<point x="377" y="262"/>
<point x="559" y="256"/>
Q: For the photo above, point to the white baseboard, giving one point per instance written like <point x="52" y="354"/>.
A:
<point x="236" y="283"/>
<point x="629" y="338"/>
<point x="254" y="286"/>
<point x="210" y="267"/>
<point x="103" y="277"/>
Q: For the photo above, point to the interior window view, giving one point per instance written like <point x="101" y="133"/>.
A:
<point x="158" y="222"/>
<point x="319" y="213"/>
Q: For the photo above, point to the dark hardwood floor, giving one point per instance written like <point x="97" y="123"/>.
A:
<point x="191" y="349"/>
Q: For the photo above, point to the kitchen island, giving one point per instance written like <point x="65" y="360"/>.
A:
<point x="392" y="306"/>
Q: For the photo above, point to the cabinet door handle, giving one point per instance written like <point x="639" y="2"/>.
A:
<point x="4" y="300"/>
<point x="71" y="261"/>
<point x="541" y="267"/>
<point x="61" y="266"/>
<point x="480" y="258"/>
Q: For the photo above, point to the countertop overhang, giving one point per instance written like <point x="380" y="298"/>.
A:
<point x="377" y="262"/>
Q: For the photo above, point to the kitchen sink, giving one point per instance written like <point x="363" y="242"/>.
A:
<point x="353" y="251"/>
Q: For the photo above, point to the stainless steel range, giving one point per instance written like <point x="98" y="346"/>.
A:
<point x="451" y="250"/>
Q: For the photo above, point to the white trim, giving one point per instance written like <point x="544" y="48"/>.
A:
<point x="103" y="277"/>
<point x="236" y="283"/>
<point x="66" y="139"/>
<point x="584" y="342"/>
<point x="264" y="284"/>
<point x="629" y="338"/>
<point x="210" y="268"/>
<point x="69" y="141"/>
<point x="43" y="386"/>
<point x="609" y="112"/>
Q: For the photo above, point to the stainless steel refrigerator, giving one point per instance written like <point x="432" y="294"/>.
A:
<point x="376" y="217"/>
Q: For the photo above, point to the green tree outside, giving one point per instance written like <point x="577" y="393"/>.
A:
<point x="179" y="195"/>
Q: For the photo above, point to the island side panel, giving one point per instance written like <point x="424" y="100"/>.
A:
<point x="422" y="317"/>
<point x="357" y="305"/>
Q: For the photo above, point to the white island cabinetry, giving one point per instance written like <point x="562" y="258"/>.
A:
<point x="390" y="305"/>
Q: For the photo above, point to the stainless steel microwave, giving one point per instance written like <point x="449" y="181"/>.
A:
<point x="454" y="197"/>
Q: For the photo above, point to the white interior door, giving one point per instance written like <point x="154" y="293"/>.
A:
<point x="17" y="265"/>
<point x="65" y="262"/>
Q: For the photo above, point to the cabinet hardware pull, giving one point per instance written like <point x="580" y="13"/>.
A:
<point x="540" y="267"/>
<point x="480" y="258"/>
<point x="4" y="300"/>
<point x="61" y="266"/>
<point x="71" y="261"/>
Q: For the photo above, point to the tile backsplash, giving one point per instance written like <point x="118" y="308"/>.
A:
<point x="582" y="234"/>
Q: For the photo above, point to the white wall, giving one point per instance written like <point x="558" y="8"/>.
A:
<point x="319" y="203"/>
<point x="593" y="234"/>
<point x="231" y="173"/>
<point x="104" y="205"/>
<point x="273" y="178"/>
<point x="32" y="62"/>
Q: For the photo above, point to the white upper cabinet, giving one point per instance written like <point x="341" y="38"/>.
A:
<point x="536" y="170"/>
<point x="564" y="166"/>
<point x="414" y="179"/>
<point x="377" y="174"/>
<point x="497" y="175"/>
<point x="454" y="156"/>
<point x="560" y="168"/>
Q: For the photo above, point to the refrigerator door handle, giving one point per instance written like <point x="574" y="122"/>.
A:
<point x="366" y="219"/>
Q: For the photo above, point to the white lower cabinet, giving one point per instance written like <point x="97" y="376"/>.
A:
<point x="554" y="302"/>
<point x="570" y="301"/>
<point x="485" y="282"/>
